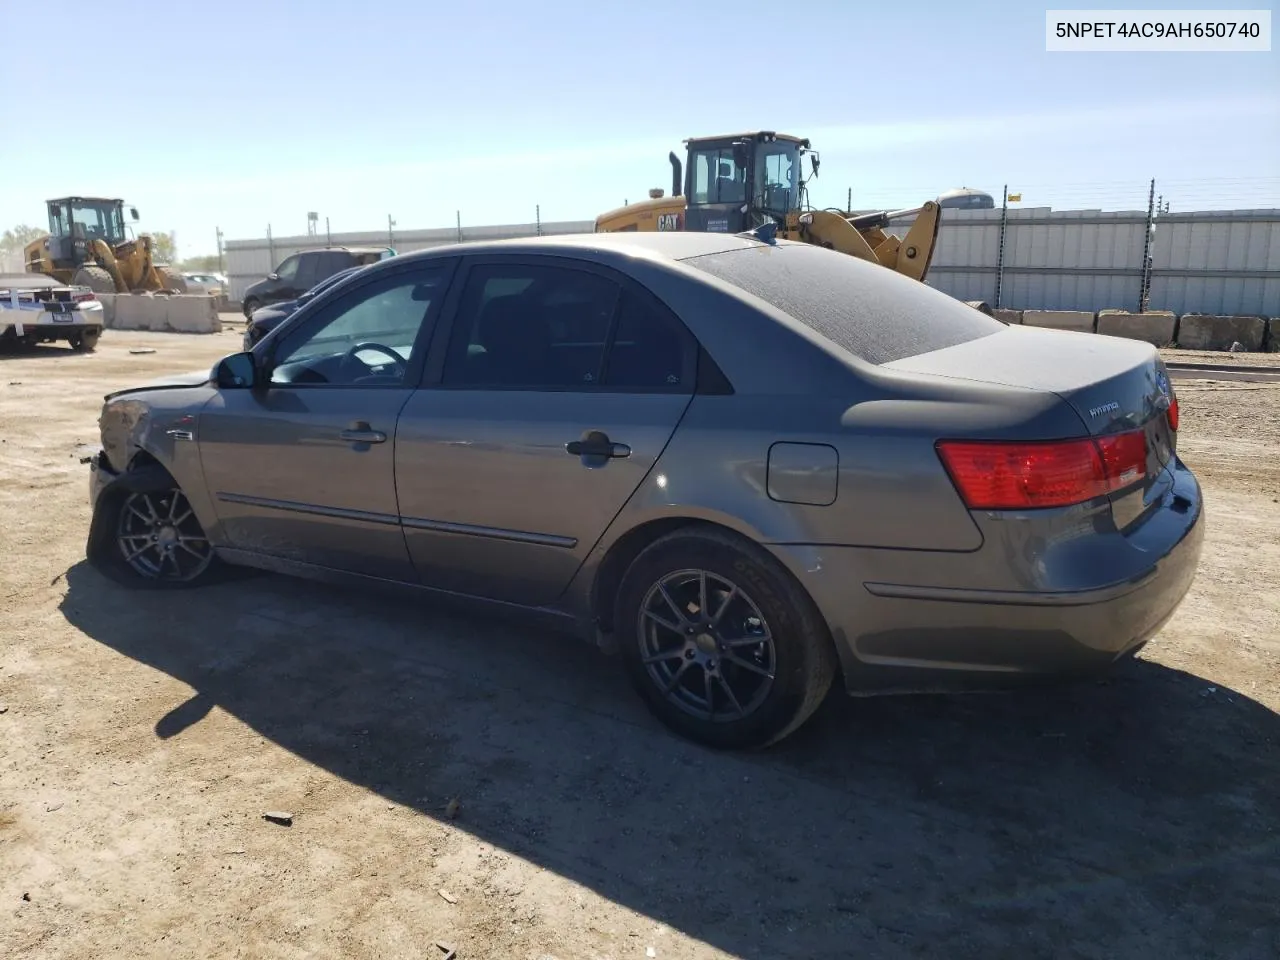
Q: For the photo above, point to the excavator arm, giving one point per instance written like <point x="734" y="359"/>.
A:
<point x="863" y="236"/>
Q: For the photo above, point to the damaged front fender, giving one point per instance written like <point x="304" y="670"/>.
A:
<point x="151" y="437"/>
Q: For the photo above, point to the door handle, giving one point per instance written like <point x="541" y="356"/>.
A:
<point x="361" y="432"/>
<point x="597" y="444"/>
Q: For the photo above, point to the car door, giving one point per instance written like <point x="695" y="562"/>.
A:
<point x="558" y="389"/>
<point x="282" y="279"/>
<point x="301" y="468"/>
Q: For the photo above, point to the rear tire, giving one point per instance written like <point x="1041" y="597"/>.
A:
<point x="95" y="278"/>
<point x="746" y="667"/>
<point x="86" y="341"/>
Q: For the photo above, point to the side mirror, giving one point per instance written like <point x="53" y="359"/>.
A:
<point x="133" y="212"/>
<point x="236" y="372"/>
<point x="273" y="276"/>
<point x="816" y="163"/>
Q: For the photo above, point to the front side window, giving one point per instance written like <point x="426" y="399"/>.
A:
<point x="289" y="269"/>
<point x="366" y="338"/>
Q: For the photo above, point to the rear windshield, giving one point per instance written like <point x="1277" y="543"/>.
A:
<point x="861" y="307"/>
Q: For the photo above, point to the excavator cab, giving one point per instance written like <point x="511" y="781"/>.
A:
<point x="736" y="183"/>
<point x="89" y="246"/>
<point x="742" y="182"/>
<point x="75" y="222"/>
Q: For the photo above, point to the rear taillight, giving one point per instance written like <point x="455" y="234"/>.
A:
<point x="999" y="475"/>
<point x="1172" y="414"/>
<point x="82" y="297"/>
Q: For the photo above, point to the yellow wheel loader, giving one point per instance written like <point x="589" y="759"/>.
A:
<point x="87" y="246"/>
<point x="740" y="182"/>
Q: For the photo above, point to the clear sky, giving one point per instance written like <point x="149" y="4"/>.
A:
<point x="239" y="114"/>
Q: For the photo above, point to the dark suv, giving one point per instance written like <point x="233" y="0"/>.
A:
<point x="302" y="271"/>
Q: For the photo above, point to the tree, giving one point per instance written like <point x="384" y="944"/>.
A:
<point x="18" y="237"/>
<point x="164" y="247"/>
<point x="203" y="264"/>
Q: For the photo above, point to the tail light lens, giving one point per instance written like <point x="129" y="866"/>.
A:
<point x="1172" y="413"/>
<point x="998" y="475"/>
<point x="82" y="297"/>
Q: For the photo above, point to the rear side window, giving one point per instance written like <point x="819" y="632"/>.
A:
<point x="530" y="327"/>
<point x="540" y="327"/>
<point x="334" y="261"/>
<point x="309" y="271"/>
<point x="647" y="351"/>
<point x="863" y="308"/>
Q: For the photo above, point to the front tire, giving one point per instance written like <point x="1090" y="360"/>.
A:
<point x="148" y="536"/>
<point x="95" y="278"/>
<point x="722" y="643"/>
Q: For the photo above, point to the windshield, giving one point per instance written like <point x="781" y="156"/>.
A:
<point x="777" y="176"/>
<point x="89" y="220"/>
<point x="867" y="310"/>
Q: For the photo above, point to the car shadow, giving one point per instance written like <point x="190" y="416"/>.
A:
<point x="1131" y="817"/>
<point x="36" y="351"/>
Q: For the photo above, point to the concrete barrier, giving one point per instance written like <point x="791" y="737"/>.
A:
<point x="1158" y="327"/>
<point x="1008" y="316"/>
<point x="186" y="313"/>
<point x="1272" y="342"/>
<point x="1060" y="319"/>
<point x="1199" y="331"/>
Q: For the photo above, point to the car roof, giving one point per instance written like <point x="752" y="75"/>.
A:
<point x="674" y="245"/>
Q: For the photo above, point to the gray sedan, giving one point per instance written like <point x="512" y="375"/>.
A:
<point x="748" y="466"/>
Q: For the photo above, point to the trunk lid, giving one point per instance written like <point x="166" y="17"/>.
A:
<point x="1113" y="385"/>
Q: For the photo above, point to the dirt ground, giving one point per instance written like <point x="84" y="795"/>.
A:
<point x="143" y="735"/>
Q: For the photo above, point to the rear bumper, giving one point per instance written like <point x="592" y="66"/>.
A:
<point x="25" y="329"/>
<point x="946" y="634"/>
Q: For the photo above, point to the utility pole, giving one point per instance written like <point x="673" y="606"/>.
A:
<point x="328" y="238"/>
<point x="459" y="215"/>
<point x="271" y="248"/>
<point x="848" y="203"/>
<point x="391" y="232"/>
<point x="1145" y="292"/>
<point x="221" y="267"/>
<point x="1004" y="221"/>
<point x="537" y="218"/>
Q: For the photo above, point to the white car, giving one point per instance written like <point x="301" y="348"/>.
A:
<point x="213" y="284"/>
<point x="37" y="309"/>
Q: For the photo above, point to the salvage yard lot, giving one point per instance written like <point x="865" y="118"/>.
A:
<point x="144" y="734"/>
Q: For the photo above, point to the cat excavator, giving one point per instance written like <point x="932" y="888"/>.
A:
<point x="87" y="246"/>
<point x="740" y="182"/>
